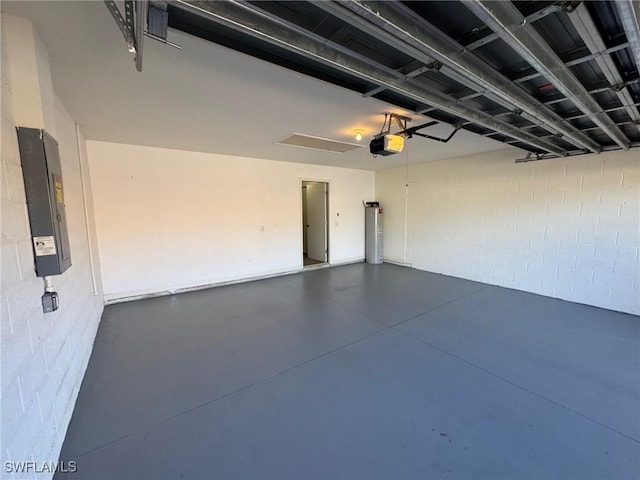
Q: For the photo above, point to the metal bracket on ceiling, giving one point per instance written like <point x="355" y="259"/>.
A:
<point x="526" y="158"/>
<point x="533" y="157"/>
<point x="435" y="66"/>
<point x="131" y="25"/>
<point x="158" y="23"/>
<point x="618" y="87"/>
<point x="570" y="5"/>
<point x="125" y="24"/>
<point x="400" y="120"/>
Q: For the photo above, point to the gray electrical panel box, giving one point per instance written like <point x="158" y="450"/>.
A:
<point x="45" y="201"/>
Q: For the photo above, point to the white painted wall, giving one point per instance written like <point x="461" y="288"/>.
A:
<point x="43" y="356"/>
<point x="566" y="228"/>
<point x="171" y="219"/>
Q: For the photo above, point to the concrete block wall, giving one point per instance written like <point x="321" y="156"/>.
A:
<point x="566" y="228"/>
<point x="43" y="356"/>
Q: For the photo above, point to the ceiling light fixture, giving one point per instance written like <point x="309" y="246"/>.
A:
<point x="358" y="134"/>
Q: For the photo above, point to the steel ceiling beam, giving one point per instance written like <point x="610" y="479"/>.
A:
<point x="577" y="61"/>
<point x="586" y="28"/>
<point x="569" y="63"/>
<point x="132" y="25"/>
<point x="582" y="115"/>
<point x="608" y="88"/>
<point x="590" y="129"/>
<point x="251" y="20"/>
<point x="125" y="24"/>
<point x="141" y="23"/>
<point x="630" y="16"/>
<point x="490" y="38"/>
<point x="593" y="91"/>
<point x="505" y="19"/>
<point x="531" y="76"/>
<point x="608" y="110"/>
<point x="530" y="18"/>
<point x="605" y="148"/>
<point x="549" y="102"/>
<point x="406" y="31"/>
<point x="411" y="74"/>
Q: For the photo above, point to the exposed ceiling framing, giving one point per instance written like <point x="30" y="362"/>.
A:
<point x="553" y="78"/>
<point x="132" y="25"/>
<point x="507" y="21"/>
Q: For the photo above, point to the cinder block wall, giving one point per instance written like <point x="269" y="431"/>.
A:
<point x="566" y="228"/>
<point x="43" y="356"/>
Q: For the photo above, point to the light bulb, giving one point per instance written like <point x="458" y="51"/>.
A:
<point x="358" y="135"/>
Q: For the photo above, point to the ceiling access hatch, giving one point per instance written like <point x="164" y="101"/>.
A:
<point x="318" y="143"/>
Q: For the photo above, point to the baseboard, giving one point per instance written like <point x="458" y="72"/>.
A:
<point x="111" y="299"/>
<point x="397" y="262"/>
<point x="347" y="261"/>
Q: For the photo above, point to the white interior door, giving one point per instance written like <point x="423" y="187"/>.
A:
<point x="305" y="240"/>
<point x="317" y="221"/>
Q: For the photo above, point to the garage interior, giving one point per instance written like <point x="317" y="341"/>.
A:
<point x="206" y="330"/>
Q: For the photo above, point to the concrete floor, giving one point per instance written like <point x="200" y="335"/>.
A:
<point x="360" y="371"/>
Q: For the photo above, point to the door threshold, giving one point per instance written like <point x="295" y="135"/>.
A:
<point x="316" y="266"/>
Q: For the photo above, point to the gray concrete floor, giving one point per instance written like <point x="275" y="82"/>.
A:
<point x="359" y="371"/>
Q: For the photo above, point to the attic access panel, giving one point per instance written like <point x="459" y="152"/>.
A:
<point x="352" y="28"/>
<point x="317" y="143"/>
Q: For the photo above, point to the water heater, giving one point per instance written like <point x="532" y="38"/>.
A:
<point x="373" y="233"/>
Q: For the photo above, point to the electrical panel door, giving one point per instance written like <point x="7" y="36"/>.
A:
<point x="45" y="201"/>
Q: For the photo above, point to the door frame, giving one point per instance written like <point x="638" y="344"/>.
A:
<point x="301" y="217"/>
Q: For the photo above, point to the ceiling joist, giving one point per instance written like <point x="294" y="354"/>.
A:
<point x="403" y="29"/>
<point x="557" y="80"/>
<point x="253" y="21"/>
<point x="629" y="12"/>
<point x="505" y="19"/>
<point x="132" y="25"/>
<point x="585" y="26"/>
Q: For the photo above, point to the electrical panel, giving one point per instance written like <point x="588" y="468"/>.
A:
<point x="45" y="201"/>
